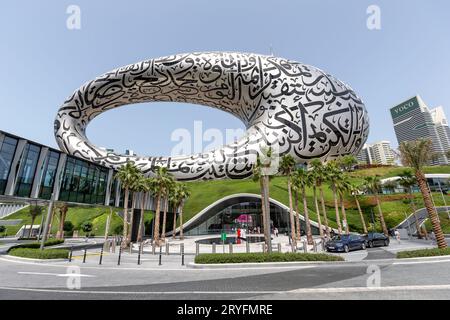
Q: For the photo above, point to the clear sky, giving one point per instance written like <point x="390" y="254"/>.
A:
<point x="42" y="62"/>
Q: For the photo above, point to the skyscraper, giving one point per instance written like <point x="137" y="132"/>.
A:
<point x="377" y="153"/>
<point x="413" y="120"/>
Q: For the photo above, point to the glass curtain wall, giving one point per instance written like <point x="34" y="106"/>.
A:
<point x="27" y="170"/>
<point x="49" y="175"/>
<point x="7" y="150"/>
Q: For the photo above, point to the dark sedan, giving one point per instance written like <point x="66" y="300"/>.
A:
<point x="346" y="243"/>
<point x="374" y="239"/>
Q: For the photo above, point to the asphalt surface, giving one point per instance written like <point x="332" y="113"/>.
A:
<point x="394" y="279"/>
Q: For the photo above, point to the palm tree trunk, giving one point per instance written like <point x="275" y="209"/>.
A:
<point x="157" y="214"/>
<point x="344" y="213"/>
<point x="108" y="223"/>
<point x="380" y="213"/>
<point x="440" y="239"/>
<point x="336" y="208"/>
<point x="324" y="212"/>
<point x="316" y="203"/>
<point x="291" y="212"/>
<point x="263" y="202"/>
<point x="133" y="204"/>
<point x="309" y="237"/>
<point x="125" y="218"/>
<point x="163" y="232"/>
<point x="61" y="227"/>
<point x="141" y="218"/>
<point x="361" y="214"/>
<point x="31" y="227"/>
<point x="181" y="220"/>
<point x="267" y="233"/>
<point x="297" y="217"/>
<point x="174" y="226"/>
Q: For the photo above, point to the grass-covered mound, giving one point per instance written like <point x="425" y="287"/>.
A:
<point x="423" y="253"/>
<point x="210" y="258"/>
<point x="39" y="254"/>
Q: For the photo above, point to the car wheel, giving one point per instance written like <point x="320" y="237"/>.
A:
<point x="363" y="246"/>
<point x="386" y="243"/>
<point x="370" y="244"/>
<point x="346" y="248"/>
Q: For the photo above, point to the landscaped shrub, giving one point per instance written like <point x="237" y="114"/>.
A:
<point x="208" y="258"/>
<point x="39" y="254"/>
<point x="68" y="226"/>
<point x="118" y="230"/>
<point x="36" y="245"/>
<point x="423" y="253"/>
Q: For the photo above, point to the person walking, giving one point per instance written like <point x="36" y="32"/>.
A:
<point x="397" y="235"/>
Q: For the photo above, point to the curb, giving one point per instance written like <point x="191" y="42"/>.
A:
<point x="33" y="260"/>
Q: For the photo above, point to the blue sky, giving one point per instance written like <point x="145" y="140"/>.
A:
<point x="43" y="62"/>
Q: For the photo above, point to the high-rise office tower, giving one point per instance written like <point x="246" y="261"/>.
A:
<point x="413" y="120"/>
<point x="377" y="153"/>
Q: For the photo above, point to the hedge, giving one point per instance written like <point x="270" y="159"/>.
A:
<point x="423" y="253"/>
<point x="39" y="254"/>
<point x="209" y="258"/>
<point x="36" y="245"/>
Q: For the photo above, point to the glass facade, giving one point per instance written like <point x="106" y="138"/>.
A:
<point x="7" y="150"/>
<point x="27" y="170"/>
<point x="49" y="175"/>
<point x="244" y="215"/>
<point x="83" y="182"/>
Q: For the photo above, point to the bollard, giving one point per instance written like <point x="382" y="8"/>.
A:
<point x="167" y="248"/>
<point x="84" y="256"/>
<point x="279" y="247"/>
<point x="214" y="247"/>
<point x="101" y="256"/>
<point x="131" y="247"/>
<point x="197" y="249"/>
<point x="120" y="253"/>
<point x="160" y="253"/>
<point x="230" y="247"/>
<point x="70" y="254"/>
<point x="182" y="253"/>
<point x="305" y="246"/>
<point x="247" y="246"/>
<point x="139" y="254"/>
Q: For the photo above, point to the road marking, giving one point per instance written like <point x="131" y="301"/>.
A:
<point x="301" y="290"/>
<point x="420" y="262"/>
<point x="56" y="274"/>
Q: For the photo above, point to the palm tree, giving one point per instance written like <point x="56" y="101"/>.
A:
<point x="134" y="188"/>
<point x="287" y="164"/>
<point x="301" y="179"/>
<point x="174" y="199"/>
<point x="416" y="154"/>
<point x="342" y="187"/>
<point x="127" y="175"/>
<point x="333" y="175"/>
<point x="168" y="188"/>
<point x="34" y="211"/>
<point x="407" y="181"/>
<point x="262" y="171"/>
<point x="161" y="181"/>
<point x="373" y="184"/>
<point x="144" y="187"/>
<point x="183" y="194"/>
<point x="63" y="208"/>
<point x="313" y="179"/>
<point x="355" y="190"/>
<point x="320" y="174"/>
<point x="296" y="190"/>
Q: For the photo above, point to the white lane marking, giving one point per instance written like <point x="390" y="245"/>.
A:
<point x="56" y="274"/>
<point x="301" y="290"/>
<point x="420" y="262"/>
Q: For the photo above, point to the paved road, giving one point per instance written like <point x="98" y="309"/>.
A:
<point x="405" y="280"/>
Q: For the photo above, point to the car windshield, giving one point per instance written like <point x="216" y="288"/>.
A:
<point x="340" y="237"/>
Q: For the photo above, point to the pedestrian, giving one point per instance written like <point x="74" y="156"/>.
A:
<point x="275" y="231"/>
<point x="397" y="235"/>
<point x="433" y="237"/>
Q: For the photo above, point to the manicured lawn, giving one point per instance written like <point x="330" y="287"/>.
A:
<point x="445" y="223"/>
<point x="209" y="258"/>
<point x="423" y="253"/>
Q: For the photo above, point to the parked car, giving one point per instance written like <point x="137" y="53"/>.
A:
<point x="346" y="243"/>
<point x="375" y="239"/>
